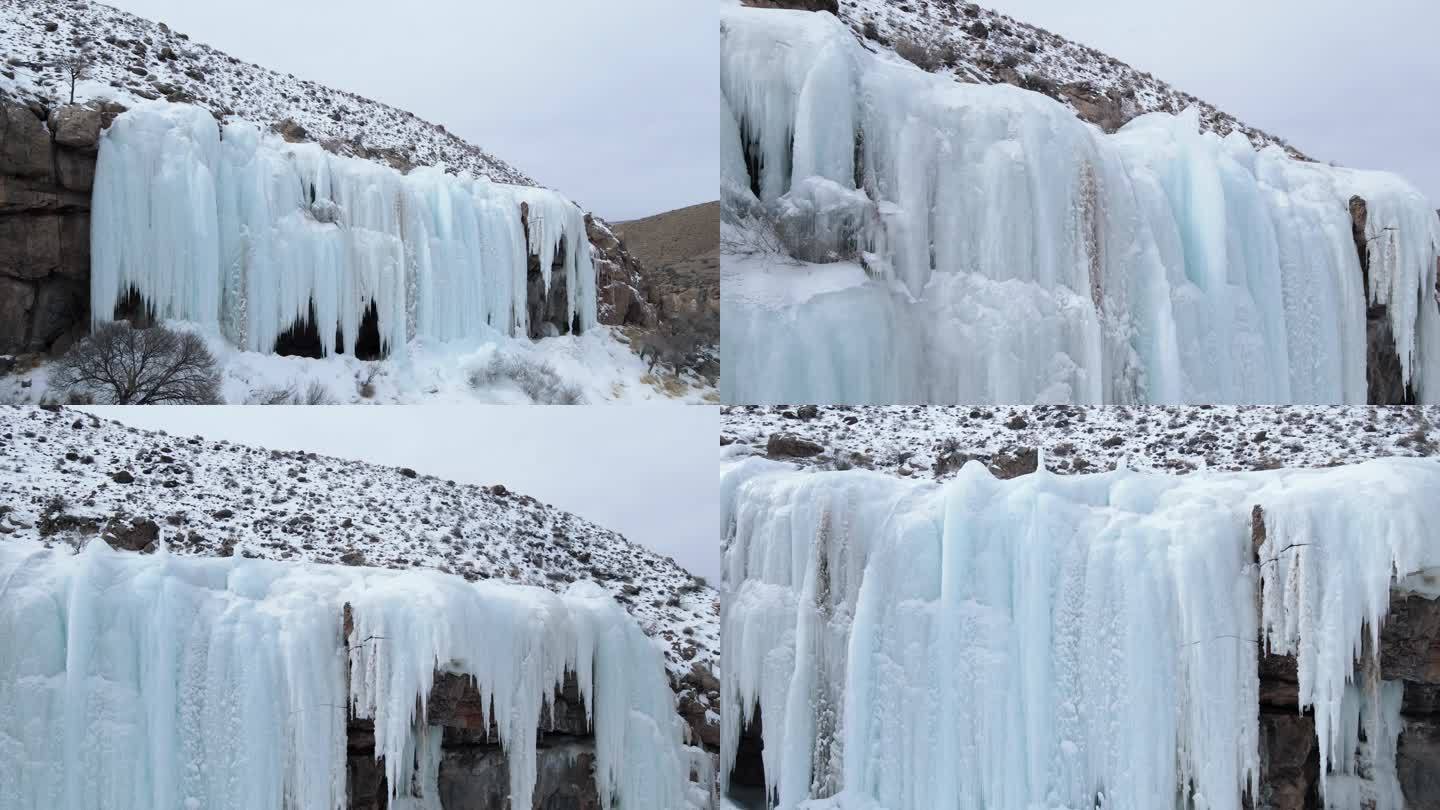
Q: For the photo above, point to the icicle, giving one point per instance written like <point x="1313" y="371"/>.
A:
<point x="1004" y="251"/>
<point x="1046" y="639"/>
<point x="142" y="681"/>
<point x="245" y="233"/>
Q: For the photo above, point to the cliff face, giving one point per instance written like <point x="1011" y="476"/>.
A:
<point x="47" y="166"/>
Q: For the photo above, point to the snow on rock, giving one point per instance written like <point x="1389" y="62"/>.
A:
<point x="935" y="442"/>
<point x="131" y="681"/>
<point x="1059" y="641"/>
<point x="244" y="232"/>
<point x="1018" y="255"/>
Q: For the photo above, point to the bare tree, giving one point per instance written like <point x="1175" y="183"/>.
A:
<point x="127" y="366"/>
<point x="75" y="66"/>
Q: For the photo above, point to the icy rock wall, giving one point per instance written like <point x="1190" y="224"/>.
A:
<point x="1016" y="254"/>
<point x="243" y="232"/>
<point x="1062" y="641"/>
<point x="131" y="681"/>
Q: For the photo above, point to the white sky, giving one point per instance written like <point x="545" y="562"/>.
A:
<point x="612" y="103"/>
<point x="648" y="472"/>
<point x="1354" y="83"/>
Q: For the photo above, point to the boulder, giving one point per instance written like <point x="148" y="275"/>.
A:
<point x="788" y="445"/>
<point x="76" y="126"/>
<point x="131" y="534"/>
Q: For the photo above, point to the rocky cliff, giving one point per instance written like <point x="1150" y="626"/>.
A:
<point x="47" y="166"/>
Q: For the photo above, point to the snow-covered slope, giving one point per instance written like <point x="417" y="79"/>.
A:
<point x="1063" y="641"/>
<point x="69" y="476"/>
<point x="134" y="59"/>
<point x="935" y="442"/>
<point x="134" y="682"/>
<point x="972" y="44"/>
<point x="895" y="236"/>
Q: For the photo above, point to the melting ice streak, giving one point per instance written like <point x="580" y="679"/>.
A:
<point x="1061" y="641"/>
<point x="1016" y="254"/>
<point x="240" y="231"/>
<point x="141" y="682"/>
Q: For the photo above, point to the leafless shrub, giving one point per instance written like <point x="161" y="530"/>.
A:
<point x="120" y="365"/>
<point x="367" y="385"/>
<point x="316" y="394"/>
<point x="682" y="343"/>
<point x="927" y="55"/>
<point x="74" y="66"/>
<point x="539" y="380"/>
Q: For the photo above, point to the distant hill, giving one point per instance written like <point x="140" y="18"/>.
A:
<point x="680" y="251"/>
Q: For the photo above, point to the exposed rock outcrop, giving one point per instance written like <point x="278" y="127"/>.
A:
<point x="1410" y="653"/>
<point x="1384" y="376"/>
<point x="47" y="168"/>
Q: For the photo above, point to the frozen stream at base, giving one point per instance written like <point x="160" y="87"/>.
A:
<point x="1017" y="255"/>
<point x="135" y="682"/>
<point x="1053" y="641"/>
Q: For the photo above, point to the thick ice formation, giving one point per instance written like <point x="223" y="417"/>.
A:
<point x="1059" y="641"/>
<point x="1020" y="255"/>
<point x="132" y="681"/>
<point x="242" y="231"/>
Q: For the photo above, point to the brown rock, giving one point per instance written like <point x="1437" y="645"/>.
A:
<point x="131" y="534"/>
<point x="1417" y="762"/>
<point x="76" y="126"/>
<point x="788" y="445"/>
<point x="59" y="305"/>
<point x="30" y="246"/>
<point x="17" y="298"/>
<point x="1289" y="763"/>
<point x="1410" y="640"/>
<point x="24" y="143"/>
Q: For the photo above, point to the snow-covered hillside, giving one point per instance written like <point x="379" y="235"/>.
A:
<point x="892" y="235"/>
<point x="968" y="43"/>
<point x="134" y="59"/>
<point x="935" y="442"/>
<point x="69" y="476"/>
<point x="1068" y="641"/>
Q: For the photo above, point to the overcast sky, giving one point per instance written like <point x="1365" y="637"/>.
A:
<point x="1354" y="83"/>
<point x="612" y="103"/>
<point x="647" y="472"/>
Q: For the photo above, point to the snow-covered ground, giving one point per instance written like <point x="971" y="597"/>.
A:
<point x="135" y="59"/>
<point x="1015" y="254"/>
<point x="934" y="442"/>
<point x="63" y="474"/>
<point x="132" y="681"/>
<point x="1066" y="641"/>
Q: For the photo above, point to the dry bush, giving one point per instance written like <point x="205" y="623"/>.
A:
<point x="539" y="380"/>
<point x="117" y="364"/>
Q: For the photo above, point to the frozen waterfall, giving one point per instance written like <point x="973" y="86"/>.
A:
<point x="244" y="232"/>
<point x="135" y="682"/>
<point x="896" y="237"/>
<point x="1060" y="641"/>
